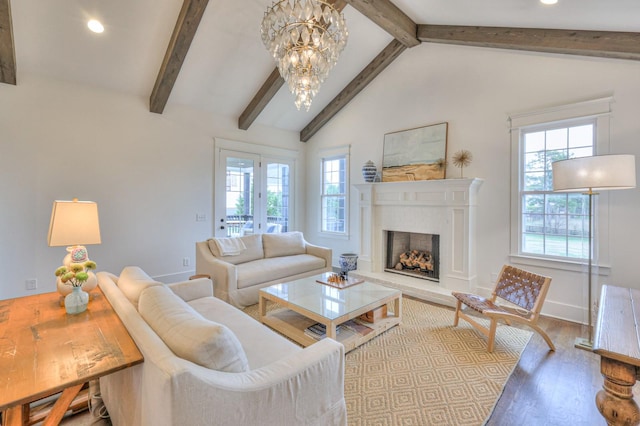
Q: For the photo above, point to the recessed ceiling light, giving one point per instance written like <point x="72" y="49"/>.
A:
<point x="95" y="26"/>
<point x="548" y="1"/>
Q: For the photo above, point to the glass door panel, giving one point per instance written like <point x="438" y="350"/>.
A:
<point x="278" y="197"/>
<point x="253" y="194"/>
<point x="236" y="200"/>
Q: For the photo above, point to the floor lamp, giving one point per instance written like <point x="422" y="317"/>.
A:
<point x="589" y="175"/>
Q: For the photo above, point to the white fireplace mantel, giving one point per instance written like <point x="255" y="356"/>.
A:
<point x="445" y="207"/>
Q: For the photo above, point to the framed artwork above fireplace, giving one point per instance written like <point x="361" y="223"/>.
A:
<point x="415" y="154"/>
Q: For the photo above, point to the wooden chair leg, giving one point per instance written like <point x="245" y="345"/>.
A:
<point x="457" y="316"/>
<point x="492" y="335"/>
<point x="544" y="335"/>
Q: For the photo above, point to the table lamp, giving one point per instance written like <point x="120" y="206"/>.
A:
<point x="74" y="224"/>
<point x="589" y="175"/>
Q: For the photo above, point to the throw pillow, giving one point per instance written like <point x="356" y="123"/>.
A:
<point x="189" y="335"/>
<point x="285" y="244"/>
<point x="132" y="281"/>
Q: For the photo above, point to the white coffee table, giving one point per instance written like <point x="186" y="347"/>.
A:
<point x="304" y="302"/>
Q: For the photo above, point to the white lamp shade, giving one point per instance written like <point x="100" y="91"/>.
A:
<point x="597" y="173"/>
<point x="74" y="223"/>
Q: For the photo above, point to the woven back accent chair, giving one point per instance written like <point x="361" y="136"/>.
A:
<point x="526" y="292"/>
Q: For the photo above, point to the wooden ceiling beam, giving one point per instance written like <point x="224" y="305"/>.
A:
<point x="7" y="48"/>
<point x="183" y="33"/>
<point x="269" y="88"/>
<point x="261" y="99"/>
<point x="390" y="18"/>
<point x="606" y="44"/>
<point x="366" y="76"/>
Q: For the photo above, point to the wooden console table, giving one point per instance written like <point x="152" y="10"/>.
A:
<point x="44" y="351"/>
<point x="617" y="341"/>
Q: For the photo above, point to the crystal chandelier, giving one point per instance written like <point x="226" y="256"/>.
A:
<point x="305" y="38"/>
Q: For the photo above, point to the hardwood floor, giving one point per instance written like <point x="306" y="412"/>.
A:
<point x="552" y="388"/>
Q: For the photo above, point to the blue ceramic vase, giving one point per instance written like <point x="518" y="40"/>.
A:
<point x="369" y="171"/>
<point x="348" y="262"/>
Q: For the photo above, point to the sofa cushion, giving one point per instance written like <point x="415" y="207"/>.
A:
<point x="253" y="250"/>
<point x="262" y="345"/>
<point x="188" y="334"/>
<point x="133" y="281"/>
<point x="192" y="289"/>
<point x="265" y="270"/>
<point x="285" y="244"/>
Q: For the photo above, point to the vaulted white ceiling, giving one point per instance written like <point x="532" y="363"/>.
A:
<point x="227" y="63"/>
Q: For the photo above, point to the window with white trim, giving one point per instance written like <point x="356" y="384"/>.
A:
<point x="553" y="224"/>
<point x="335" y="187"/>
<point x="547" y="225"/>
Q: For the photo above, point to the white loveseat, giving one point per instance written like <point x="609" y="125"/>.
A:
<point x="265" y="260"/>
<point x="231" y="370"/>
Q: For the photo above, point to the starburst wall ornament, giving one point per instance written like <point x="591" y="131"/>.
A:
<point x="462" y="159"/>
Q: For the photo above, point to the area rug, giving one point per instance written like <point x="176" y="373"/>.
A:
<point x="427" y="372"/>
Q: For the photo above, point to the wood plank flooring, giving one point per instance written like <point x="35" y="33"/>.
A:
<point x="552" y="388"/>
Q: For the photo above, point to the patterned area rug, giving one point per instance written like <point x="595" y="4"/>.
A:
<point x="427" y="372"/>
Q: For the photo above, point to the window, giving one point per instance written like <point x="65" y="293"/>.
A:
<point x="553" y="224"/>
<point x="548" y="226"/>
<point x="334" y="194"/>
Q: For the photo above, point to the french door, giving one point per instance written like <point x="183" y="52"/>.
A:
<point x="253" y="194"/>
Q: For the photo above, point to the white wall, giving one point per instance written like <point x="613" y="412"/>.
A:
<point x="474" y="89"/>
<point x="149" y="173"/>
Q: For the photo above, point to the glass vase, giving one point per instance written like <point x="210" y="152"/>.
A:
<point x="76" y="301"/>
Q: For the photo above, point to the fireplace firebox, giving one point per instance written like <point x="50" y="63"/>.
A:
<point x="413" y="254"/>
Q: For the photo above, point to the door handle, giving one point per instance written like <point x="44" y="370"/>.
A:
<point x="222" y="227"/>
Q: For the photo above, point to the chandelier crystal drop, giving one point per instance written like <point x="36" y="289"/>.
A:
<point x="305" y="38"/>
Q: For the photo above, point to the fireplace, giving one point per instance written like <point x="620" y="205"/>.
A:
<point x="445" y="208"/>
<point x="413" y="254"/>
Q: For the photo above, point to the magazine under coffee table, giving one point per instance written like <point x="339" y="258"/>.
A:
<point x="305" y="302"/>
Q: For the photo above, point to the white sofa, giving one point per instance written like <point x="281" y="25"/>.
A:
<point x="231" y="370"/>
<point x="266" y="259"/>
